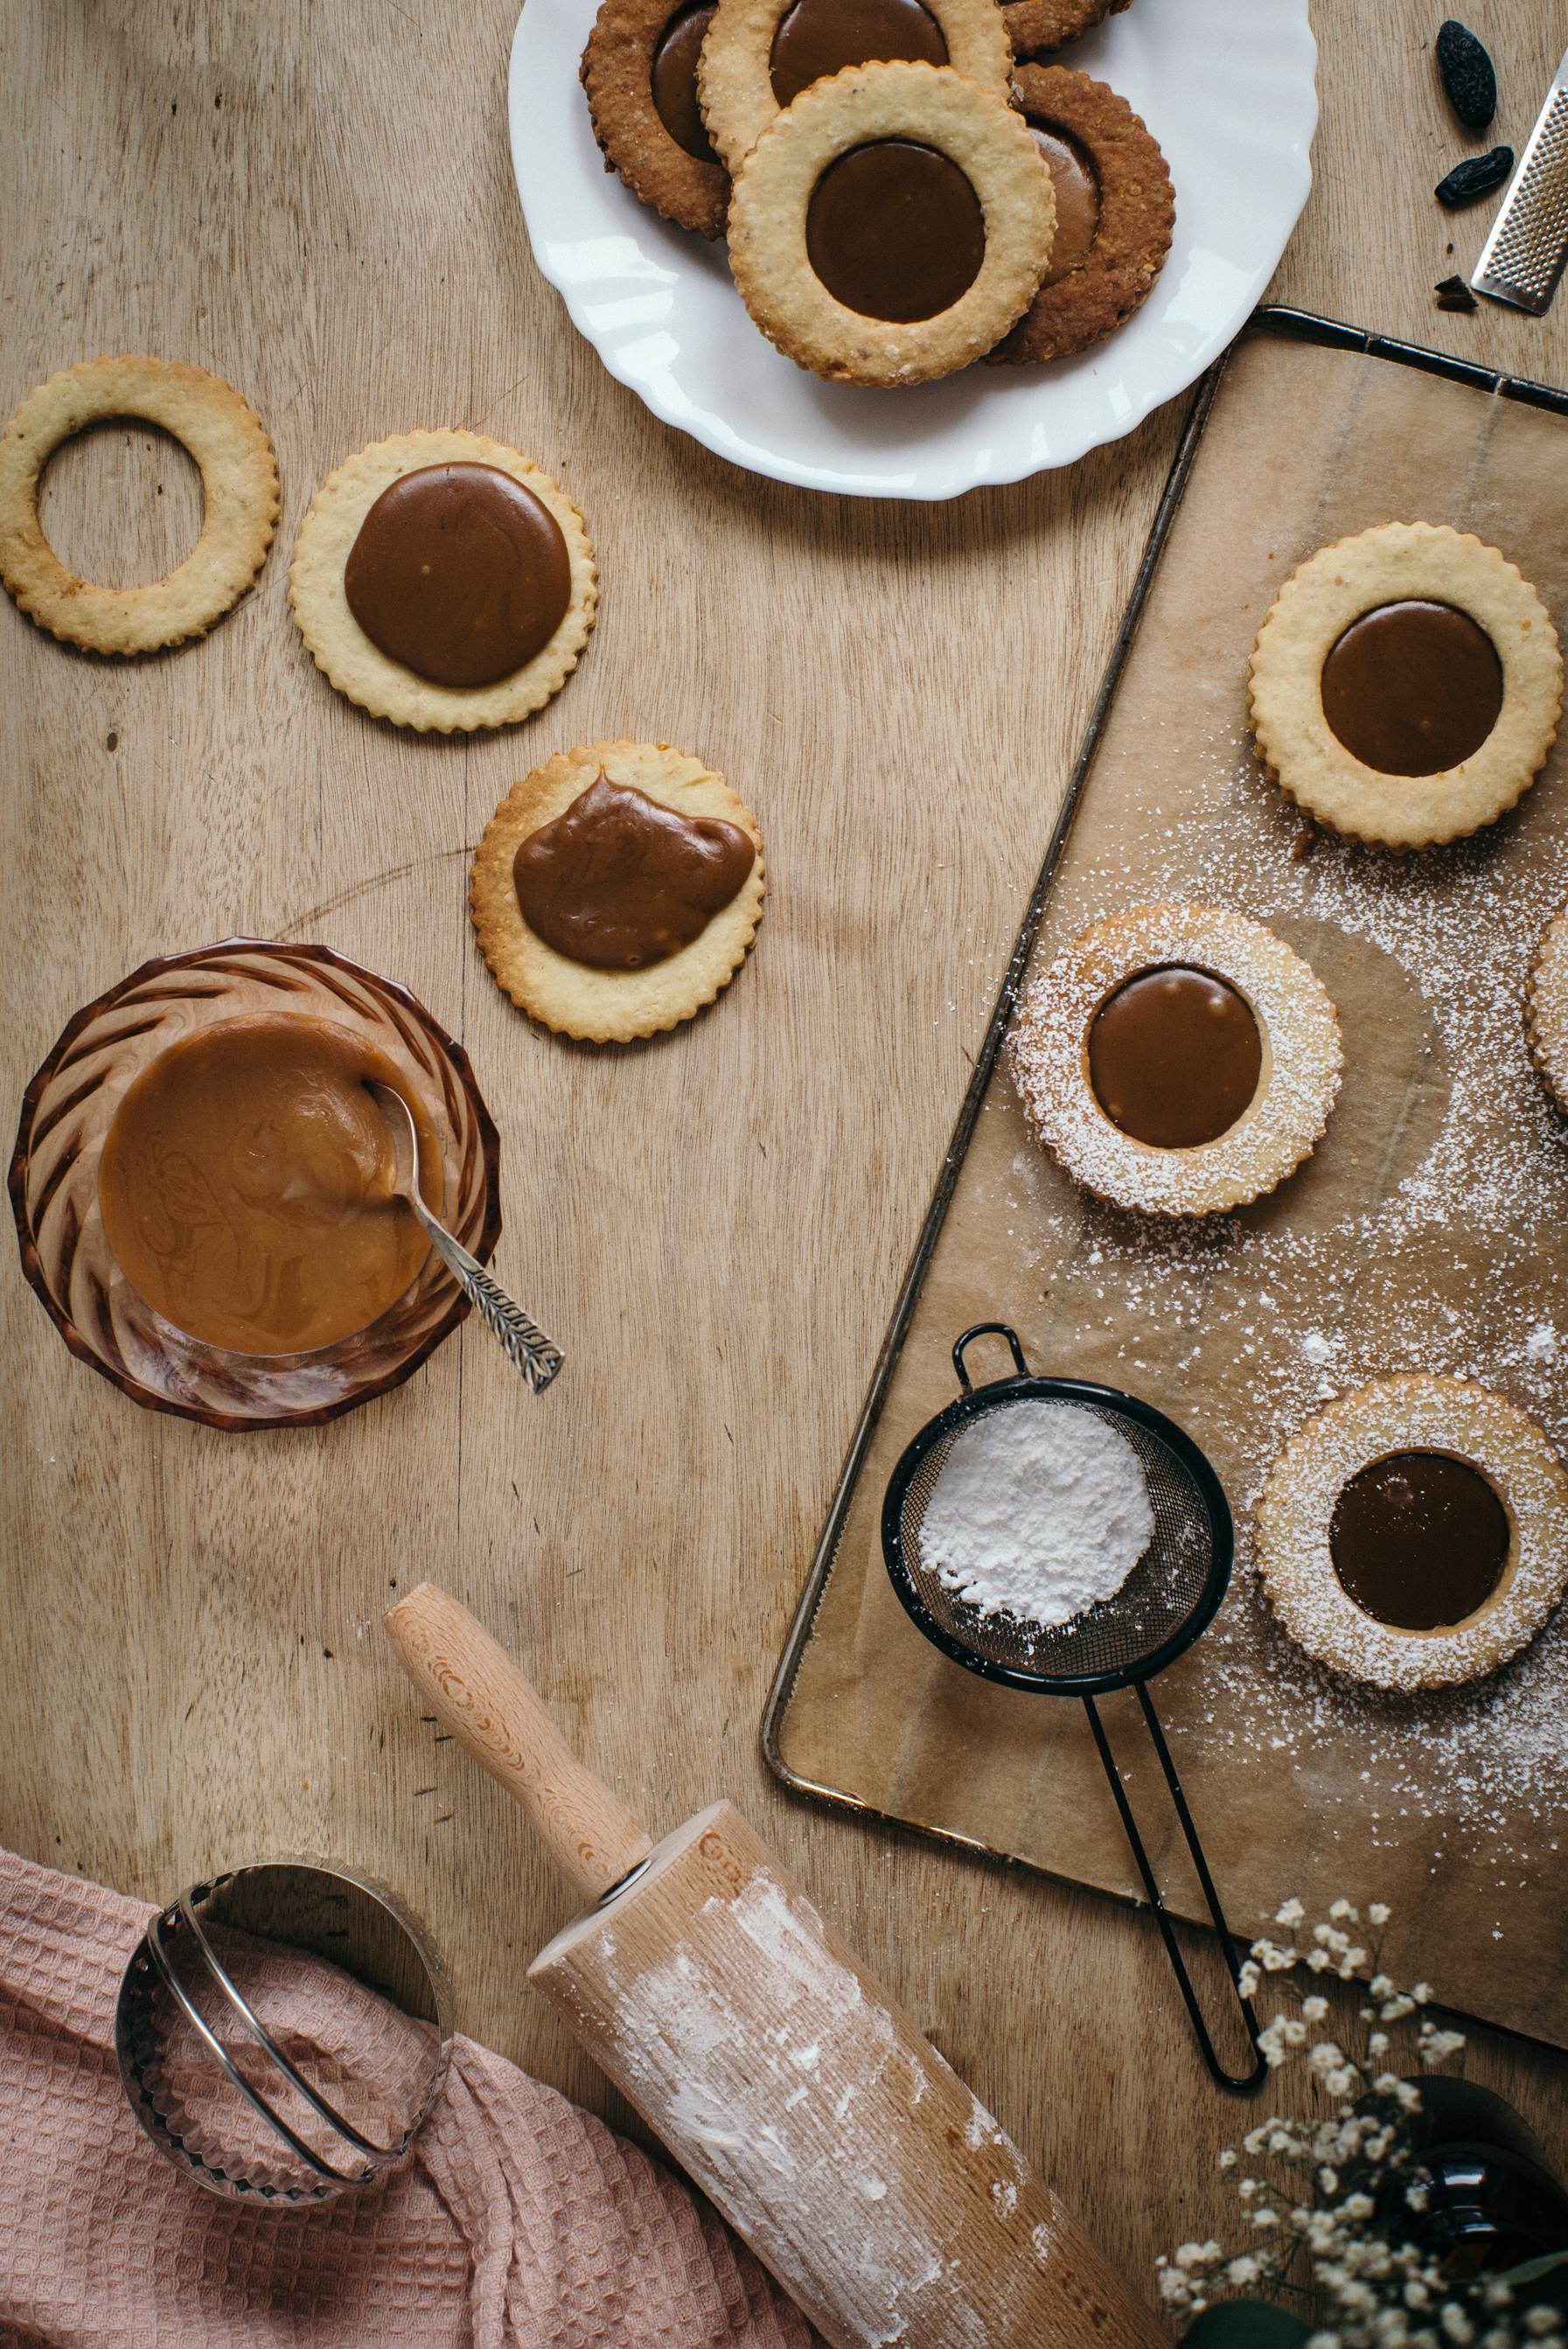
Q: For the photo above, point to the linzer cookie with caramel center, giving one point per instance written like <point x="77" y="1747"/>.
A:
<point x="1115" y="214"/>
<point x="616" y="889"/>
<point x="891" y="224"/>
<point x="443" y="581"/>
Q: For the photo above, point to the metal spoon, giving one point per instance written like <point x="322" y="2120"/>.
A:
<point x="526" y="1345"/>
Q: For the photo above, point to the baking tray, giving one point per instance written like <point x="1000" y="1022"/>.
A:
<point x="1428" y="1230"/>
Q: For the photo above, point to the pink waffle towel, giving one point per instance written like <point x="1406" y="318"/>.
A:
<point x="521" y="2222"/>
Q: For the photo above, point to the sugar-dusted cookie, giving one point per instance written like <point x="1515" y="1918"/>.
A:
<point x="1416" y="1533"/>
<point x="1115" y="213"/>
<point x="639" y="70"/>
<point x="760" y="54"/>
<point x="239" y="482"/>
<point x="1406" y="687"/>
<point x="616" y="889"/>
<point x="1034" y="27"/>
<point x="442" y="581"/>
<point x="891" y="225"/>
<point x="1178" y="1059"/>
<point x="1546" y="1011"/>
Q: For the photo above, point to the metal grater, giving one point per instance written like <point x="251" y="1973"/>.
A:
<point x="1525" y="256"/>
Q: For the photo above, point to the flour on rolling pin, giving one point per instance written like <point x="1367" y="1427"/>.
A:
<point x="878" y="2190"/>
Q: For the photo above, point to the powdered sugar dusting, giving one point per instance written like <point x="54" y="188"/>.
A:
<point x="1040" y="1511"/>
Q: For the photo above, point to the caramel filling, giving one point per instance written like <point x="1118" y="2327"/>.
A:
<point x="619" y="882"/>
<point x="1174" y="1056"/>
<point x="821" y="36"/>
<point x="894" y="230"/>
<point x="246" y="1185"/>
<point x="1419" y="1540"/>
<point x="674" y="78"/>
<point x="1412" y="688"/>
<point x="460" y="574"/>
<point x="1077" y="199"/>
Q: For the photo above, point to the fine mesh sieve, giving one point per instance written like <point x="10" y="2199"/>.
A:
<point x="282" y="2031"/>
<point x="1169" y="1598"/>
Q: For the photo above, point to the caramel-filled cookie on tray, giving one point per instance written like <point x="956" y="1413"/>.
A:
<point x="1115" y="213"/>
<point x="616" y="890"/>
<point x="1406" y="687"/>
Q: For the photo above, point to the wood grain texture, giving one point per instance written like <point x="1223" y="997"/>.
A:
<point x="316" y="201"/>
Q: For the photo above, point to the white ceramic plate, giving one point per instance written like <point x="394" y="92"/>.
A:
<point x="1228" y="88"/>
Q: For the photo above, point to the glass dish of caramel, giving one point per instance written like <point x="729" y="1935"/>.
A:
<point x="201" y="1190"/>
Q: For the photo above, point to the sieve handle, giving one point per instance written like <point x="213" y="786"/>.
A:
<point x="475" y="1690"/>
<point x="986" y="1329"/>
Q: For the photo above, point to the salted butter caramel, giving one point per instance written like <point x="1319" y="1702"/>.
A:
<point x="1174" y="1056"/>
<point x="246" y="1185"/>
<point x="818" y="37"/>
<point x="1418" y="1540"/>
<point x="673" y="80"/>
<point x="894" y="230"/>
<point x="460" y="574"/>
<point x="1078" y="198"/>
<point x="620" y="882"/>
<point x="1412" y="688"/>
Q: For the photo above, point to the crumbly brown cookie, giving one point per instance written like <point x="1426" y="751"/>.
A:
<point x="1402" y="562"/>
<point x="1413" y="1413"/>
<point x="1034" y="27"/>
<point x="609" y="1006"/>
<point x="358" y="668"/>
<point x="1546" y="1011"/>
<point x="239" y="481"/>
<point x="934" y="108"/>
<point x="617" y="74"/>
<point x="1132" y="235"/>
<point x="1297" y="1082"/>
<point x="735" y="86"/>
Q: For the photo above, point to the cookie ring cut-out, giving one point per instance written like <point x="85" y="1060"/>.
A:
<point x="1546" y="1011"/>
<point x="360" y="670"/>
<point x="609" y="1006"/>
<point x="616" y="73"/>
<point x="1398" y="562"/>
<point x="1036" y="27"/>
<point x="240" y="485"/>
<point x="735" y="85"/>
<point x="1413" y="1411"/>
<point x="932" y="107"/>
<point x="1132" y="235"/>
<point x="1299" y="1077"/>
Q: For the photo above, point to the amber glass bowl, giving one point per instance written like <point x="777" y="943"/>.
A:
<point x="68" y="1110"/>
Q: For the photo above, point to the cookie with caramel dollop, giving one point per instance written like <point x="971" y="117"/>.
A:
<point x="616" y="889"/>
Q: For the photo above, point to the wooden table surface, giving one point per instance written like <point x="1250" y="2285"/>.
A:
<point x="316" y="202"/>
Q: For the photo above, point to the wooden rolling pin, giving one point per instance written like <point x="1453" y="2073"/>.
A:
<point x="857" y="2167"/>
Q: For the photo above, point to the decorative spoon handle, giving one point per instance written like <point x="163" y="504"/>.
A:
<point x="522" y="1340"/>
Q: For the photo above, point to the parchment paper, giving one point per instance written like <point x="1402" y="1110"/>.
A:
<point x="1426" y="1231"/>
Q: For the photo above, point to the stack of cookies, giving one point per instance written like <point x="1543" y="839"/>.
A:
<point x="900" y="197"/>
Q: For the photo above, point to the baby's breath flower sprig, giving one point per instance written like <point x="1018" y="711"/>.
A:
<point x="1333" y="2206"/>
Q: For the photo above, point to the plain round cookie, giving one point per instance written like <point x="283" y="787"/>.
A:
<point x="617" y="72"/>
<point x="1049" y="1054"/>
<point x="1413" y="1411"/>
<point x="733" y="78"/>
<point x="609" y="1006"/>
<point x="940" y="109"/>
<point x="360" y="669"/>
<point x="1132" y="237"/>
<point x="1034" y="27"/>
<point x="1299" y="750"/>
<point x="1546" y="1011"/>
<point x="239" y="483"/>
